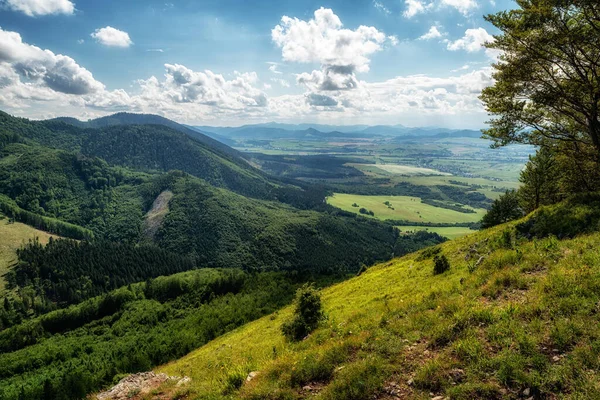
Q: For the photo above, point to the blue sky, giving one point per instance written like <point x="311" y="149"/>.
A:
<point x="415" y="62"/>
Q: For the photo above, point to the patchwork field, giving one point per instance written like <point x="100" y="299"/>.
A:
<point x="451" y="232"/>
<point x="14" y="235"/>
<point x="402" y="208"/>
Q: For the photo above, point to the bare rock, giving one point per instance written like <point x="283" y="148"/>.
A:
<point x="139" y="384"/>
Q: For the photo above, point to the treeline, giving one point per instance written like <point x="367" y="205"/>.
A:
<point x="454" y="207"/>
<point x="68" y="272"/>
<point x="69" y="353"/>
<point x="52" y="225"/>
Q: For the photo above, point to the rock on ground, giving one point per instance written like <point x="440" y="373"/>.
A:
<point x="139" y="384"/>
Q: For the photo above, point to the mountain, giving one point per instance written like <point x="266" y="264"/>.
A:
<point x="149" y="119"/>
<point x="514" y="316"/>
<point x="288" y="127"/>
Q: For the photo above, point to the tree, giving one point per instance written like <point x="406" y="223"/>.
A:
<point x="504" y="209"/>
<point x="540" y="180"/>
<point x="307" y="314"/>
<point x="547" y="80"/>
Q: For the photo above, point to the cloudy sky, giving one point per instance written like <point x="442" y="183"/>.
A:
<point x="232" y="62"/>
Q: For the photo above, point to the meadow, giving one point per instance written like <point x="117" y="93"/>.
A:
<point x="405" y="208"/>
<point x="14" y="235"/>
<point x="451" y="232"/>
<point x="474" y="331"/>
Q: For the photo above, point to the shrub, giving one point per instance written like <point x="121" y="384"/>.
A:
<point x="506" y="208"/>
<point x="440" y="264"/>
<point x="307" y="314"/>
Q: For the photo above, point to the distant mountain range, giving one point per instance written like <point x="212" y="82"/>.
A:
<point x="270" y="131"/>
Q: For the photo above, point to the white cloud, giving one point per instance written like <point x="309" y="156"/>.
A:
<point x="323" y="40"/>
<point x="42" y="68"/>
<point x="463" y="6"/>
<point x="80" y="41"/>
<point x="463" y="68"/>
<point x="414" y="7"/>
<point x="472" y="41"/>
<point x="273" y="67"/>
<point x="432" y="33"/>
<point x="34" y="8"/>
<point x="109" y="36"/>
<point x="155" y="50"/>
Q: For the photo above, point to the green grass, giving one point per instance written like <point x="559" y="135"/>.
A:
<point x="404" y="208"/>
<point x="12" y="237"/>
<point x="396" y="169"/>
<point x="511" y="314"/>
<point x="451" y="232"/>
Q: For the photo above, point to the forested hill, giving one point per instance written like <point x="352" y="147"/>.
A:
<point x="149" y="119"/>
<point x="160" y="148"/>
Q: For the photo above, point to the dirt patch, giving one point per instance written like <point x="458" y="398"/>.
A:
<point x="157" y="214"/>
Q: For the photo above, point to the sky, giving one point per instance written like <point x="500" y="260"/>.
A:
<point x="229" y="63"/>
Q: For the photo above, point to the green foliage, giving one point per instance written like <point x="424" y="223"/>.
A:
<point x="540" y="181"/>
<point x="440" y="264"/>
<point x="578" y="215"/>
<point x="67" y="272"/>
<point x="542" y="92"/>
<point x="359" y="380"/>
<point x="504" y="209"/>
<point x="364" y="211"/>
<point x="307" y="314"/>
<point x="69" y="353"/>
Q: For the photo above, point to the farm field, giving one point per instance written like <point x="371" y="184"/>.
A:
<point x="13" y="236"/>
<point x="451" y="232"/>
<point x="404" y="208"/>
<point x="396" y="169"/>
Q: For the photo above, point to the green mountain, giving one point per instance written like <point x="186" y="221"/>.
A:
<point x="515" y="316"/>
<point x="152" y="209"/>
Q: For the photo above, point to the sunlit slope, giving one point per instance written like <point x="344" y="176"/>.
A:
<point x="13" y="236"/>
<point x="511" y="318"/>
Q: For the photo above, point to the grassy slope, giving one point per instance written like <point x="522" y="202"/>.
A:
<point x="451" y="232"/>
<point x="405" y="208"/>
<point x="524" y="319"/>
<point x="14" y="236"/>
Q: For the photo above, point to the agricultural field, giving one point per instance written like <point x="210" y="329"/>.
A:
<point x="402" y="208"/>
<point x="14" y="235"/>
<point x="395" y="169"/>
<point x="451" y="232"/>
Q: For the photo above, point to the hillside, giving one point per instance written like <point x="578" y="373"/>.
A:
<point x="515" y="316"/>
<point x="14" y="235"/>
<point x="150" y="119"/>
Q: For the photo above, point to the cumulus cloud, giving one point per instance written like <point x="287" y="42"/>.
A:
<point x="323" y="40"/>
<point x="318" y="100"/>
<point x="465" y="7"/>
<point x="39" y="67"/>
<point x="183" y="85"/>
<point x="472" y="42"/>
<point x="112" y="37"/>
<point x="432" y="33"/>
<point x="34" y="8"/>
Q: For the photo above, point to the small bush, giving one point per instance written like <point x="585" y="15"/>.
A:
<point x="307" y="314"/>
<point x="440" y="264"/>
